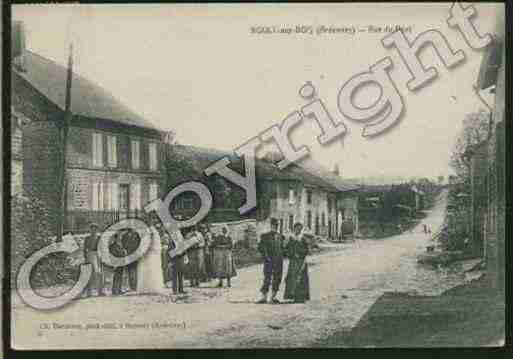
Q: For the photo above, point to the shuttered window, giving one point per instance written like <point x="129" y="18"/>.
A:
<point x="136" y="154"/>
<point x="153" y="156"/>
<point x="292" y="196"/>
<point x="97" y="196"/>
<point x="136" y="195"/>
<point x="97" y="149"/>
<point x="108" y="196"/>
<point x="154" y="191"/>
<point x="114" y="195"/>
<point x="111" y="196"/>
<point x="112" y="153"/>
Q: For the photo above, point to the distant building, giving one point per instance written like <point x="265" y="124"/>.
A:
<point x="320" y="201"/>
<point x="419" y="197"/>
<point x="114" y="156"/>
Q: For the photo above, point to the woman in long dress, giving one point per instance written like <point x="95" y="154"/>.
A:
<point x="207" y="251"/>
<point x="150" y="278"/>
<point x="297" y="283"/>
<point x="196" y="267"/>
<point x="223" y="264"/>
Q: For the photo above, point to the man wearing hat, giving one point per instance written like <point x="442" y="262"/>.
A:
<point x="91" y="257"/>
<point x="271" y="247"/>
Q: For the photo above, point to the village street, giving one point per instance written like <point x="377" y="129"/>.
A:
<point x="344" y="284"/>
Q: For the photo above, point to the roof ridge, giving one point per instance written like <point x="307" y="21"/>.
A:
<point x="91" y="99"/>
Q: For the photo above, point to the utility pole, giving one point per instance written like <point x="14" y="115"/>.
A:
<point x="63" y="183"/>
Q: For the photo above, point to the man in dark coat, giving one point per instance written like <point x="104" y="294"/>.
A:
<point x="177" y="264"/>
<point x="117" y="250"/>
<point x="131" y="242"/>
<point x="271" y="247"/>
<point x="91" y="257"/>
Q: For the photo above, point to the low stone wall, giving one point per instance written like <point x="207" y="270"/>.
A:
<point x="239" y="230"/>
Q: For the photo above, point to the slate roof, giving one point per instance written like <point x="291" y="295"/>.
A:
<point x="201" y="158"/>
<point x="338" y="182"/>
<point x="87" y="98"/>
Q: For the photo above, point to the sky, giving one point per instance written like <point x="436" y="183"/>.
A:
<point x="198" y="70"/>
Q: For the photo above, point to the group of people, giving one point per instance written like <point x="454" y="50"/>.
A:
<point x="123" y="243"/>
<point x="209" y="258"/>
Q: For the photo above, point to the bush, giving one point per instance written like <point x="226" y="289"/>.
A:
<point x="31" y="229"/>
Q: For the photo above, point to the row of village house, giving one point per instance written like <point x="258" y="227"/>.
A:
<point x="488" y="160"/>
<point x="115" y="159"/>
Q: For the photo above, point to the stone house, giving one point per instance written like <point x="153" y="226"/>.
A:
<point x="492" y="75"/>
<point x="294" y="194"/>
<point x="113" y="155"/>
<point x="342" y="206"/>
<point x="18" y="120"/>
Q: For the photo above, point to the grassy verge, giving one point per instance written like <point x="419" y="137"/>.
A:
<point x="469" y="315"/>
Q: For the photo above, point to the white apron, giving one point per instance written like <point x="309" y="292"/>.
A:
<point x="150" y="279"/>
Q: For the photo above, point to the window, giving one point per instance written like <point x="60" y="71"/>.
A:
<point x="184" y="203"/>
<point x="323" y="219"/>
<point x="291" y="222"/>
<point x="292" y="196"/>
<point x="97" y="149"/>
<point x="329" y="205"/>
<point x="124" y="197"/>
<point x="111" y="196"/>
<point x="136" y="195"/>
<point x="309" y="196"/>
<point x="136" y="154"/>
<point x="97" y="196"/>
<point x="153" y="156"/>
<point x="187" y="203"/>
<point x="154" y="191"/>
<point x="309" y="219"/>
<point x="112" y="153"/>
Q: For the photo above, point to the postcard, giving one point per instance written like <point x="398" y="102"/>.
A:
<point x="203" y="176"/>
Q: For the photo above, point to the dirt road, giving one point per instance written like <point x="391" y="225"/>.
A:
<point x="344" y="284"/>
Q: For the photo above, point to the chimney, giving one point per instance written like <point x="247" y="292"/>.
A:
<point x="336" y="170"/>
<point x="169" y="137"/>
<point x="18" y="45"/>
<point x="273" y="156"/>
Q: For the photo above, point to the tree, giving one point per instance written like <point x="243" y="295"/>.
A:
<point x="474" y="131"/>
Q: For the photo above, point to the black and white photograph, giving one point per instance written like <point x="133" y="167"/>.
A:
<point x="250" y="176"/>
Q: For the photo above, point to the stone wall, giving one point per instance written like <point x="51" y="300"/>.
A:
<point x="16" y="177"/>
<point x="40" y="165"/>
<point x="39" y="145"/>
<point x="239" y="230"/>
